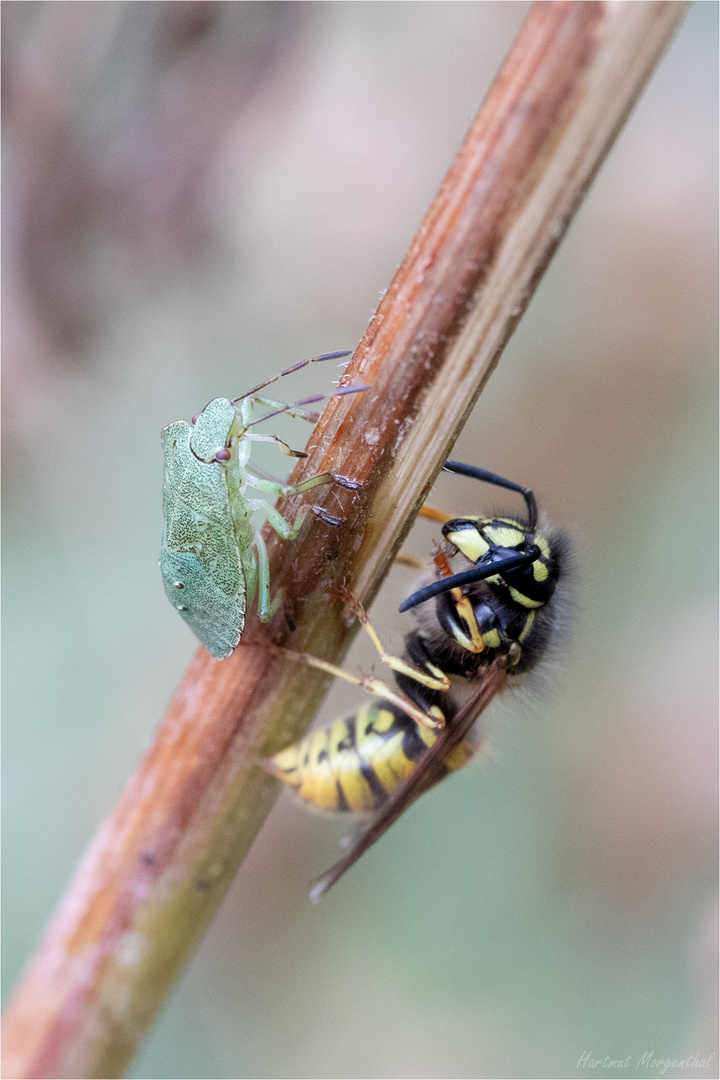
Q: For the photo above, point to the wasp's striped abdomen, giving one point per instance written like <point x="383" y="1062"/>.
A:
<point x="494" y="614"/>
<point x="493" y="611"/>
<point x="357" y="763"/>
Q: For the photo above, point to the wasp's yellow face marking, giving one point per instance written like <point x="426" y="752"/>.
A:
<point x="480" y="536"/>
<point x="469" y="541"/>
<point x="504" y="535"/>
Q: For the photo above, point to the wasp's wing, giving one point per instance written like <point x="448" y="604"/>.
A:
<point x="428" y="771"/>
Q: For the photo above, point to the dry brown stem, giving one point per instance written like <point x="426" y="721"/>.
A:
<point x="160" y="865"/>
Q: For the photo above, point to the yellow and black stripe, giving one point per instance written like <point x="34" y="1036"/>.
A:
<point x="478" y="620"/>
<point x="477" y="538"/>
<point x="357" y="763"/>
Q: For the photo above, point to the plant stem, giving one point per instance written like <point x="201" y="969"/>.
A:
<point x="161" y="863"/>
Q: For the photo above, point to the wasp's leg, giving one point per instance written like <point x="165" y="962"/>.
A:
<point x="403" y="559"/>
<point x="431" y="514"/>
<point x="433" y="678"/>
<point x="474" y="642"/>
<point x="432" y="719"/>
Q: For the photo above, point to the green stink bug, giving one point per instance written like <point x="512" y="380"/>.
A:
<point x="212" y="558"/>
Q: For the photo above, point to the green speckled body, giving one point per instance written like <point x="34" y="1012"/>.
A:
<point x="213" y="559"/>
<point x="206" y="558"/>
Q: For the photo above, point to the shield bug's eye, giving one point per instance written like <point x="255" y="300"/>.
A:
<point x="195" y="418"/>
<point x="223" y="454"/>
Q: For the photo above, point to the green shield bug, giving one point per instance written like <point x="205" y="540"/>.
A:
<point x="212" y="558"/>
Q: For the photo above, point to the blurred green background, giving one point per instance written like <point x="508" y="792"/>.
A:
<point x="197" y="195"/>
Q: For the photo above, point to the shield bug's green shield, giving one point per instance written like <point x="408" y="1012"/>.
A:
<point x="200" y="562"/>
<point x="214" y="560"/>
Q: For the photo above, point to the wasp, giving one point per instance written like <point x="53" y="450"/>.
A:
<point x="490" y="614"/>
<point x="213" y="559"/>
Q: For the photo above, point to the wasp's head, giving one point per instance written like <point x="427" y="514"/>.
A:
<point x="506" y="554"/>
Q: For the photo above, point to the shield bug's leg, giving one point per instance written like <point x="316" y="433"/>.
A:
<point x="295" y="367"/>
<point x="282" y="527"/>
<point x="266" y="606"/>
<point x="292" y="409"/>
<point x="275" y="439"/>
<point x="297" y="408"/>
<point x="273" y="488"/>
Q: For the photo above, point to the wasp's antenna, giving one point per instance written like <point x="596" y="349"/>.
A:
<point x="492" y="478"/>
<point x="467" y="577"/>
